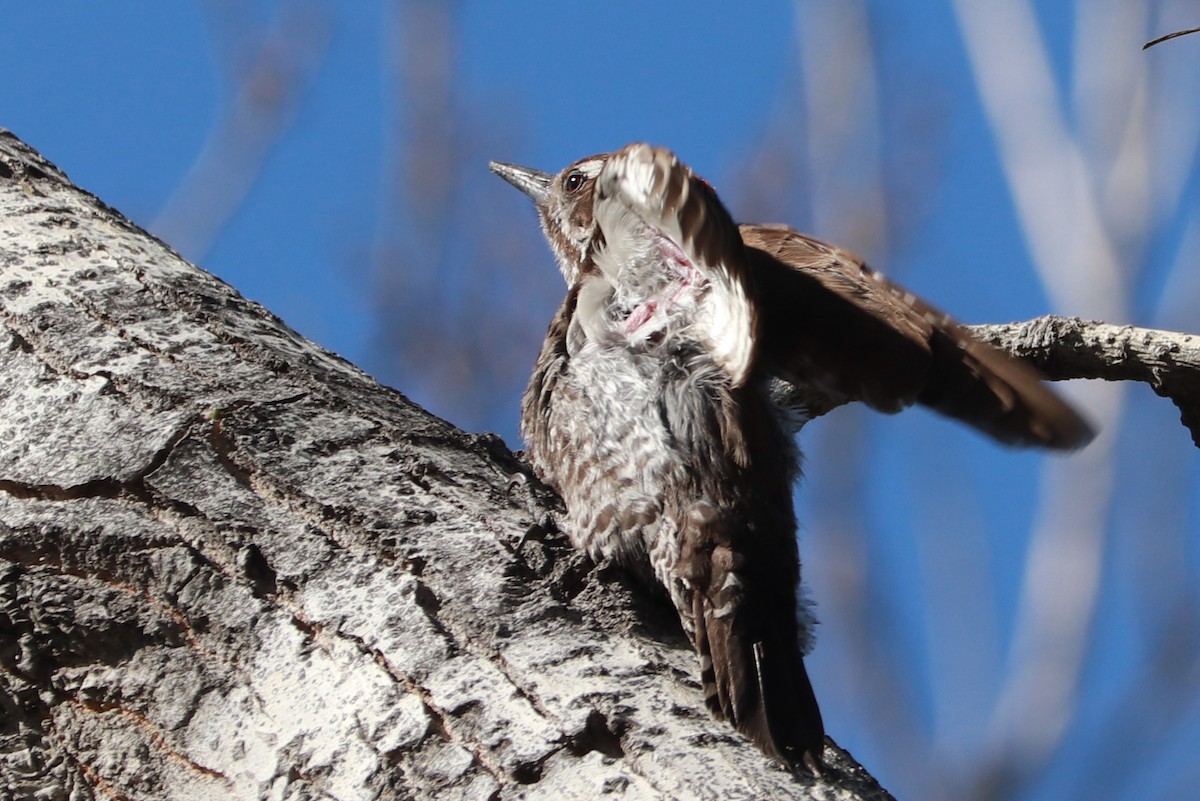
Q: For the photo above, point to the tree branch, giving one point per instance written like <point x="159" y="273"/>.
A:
<point x="1067" y="347"/>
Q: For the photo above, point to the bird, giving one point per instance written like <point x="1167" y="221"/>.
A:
<point x="662" y="406"/>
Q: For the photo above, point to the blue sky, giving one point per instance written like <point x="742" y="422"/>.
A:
<point x="124" y="101"/>
<point x="123" y="97"/>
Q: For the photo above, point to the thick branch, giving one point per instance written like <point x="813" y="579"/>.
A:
<point x="1067" y="347"/>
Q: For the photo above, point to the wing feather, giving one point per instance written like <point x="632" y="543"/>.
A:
<point x="831" y="323"/>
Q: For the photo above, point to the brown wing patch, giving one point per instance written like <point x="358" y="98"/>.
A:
<point x="831" y="322"/>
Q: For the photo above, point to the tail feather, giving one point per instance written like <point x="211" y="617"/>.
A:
<point x="751" y="669"/>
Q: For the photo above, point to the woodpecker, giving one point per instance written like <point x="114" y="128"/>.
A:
<point x="686" y="353"/>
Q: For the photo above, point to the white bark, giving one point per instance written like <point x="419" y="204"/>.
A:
<point x="234" y="566"/>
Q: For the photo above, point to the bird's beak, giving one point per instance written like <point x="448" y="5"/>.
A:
<point x="534" y="183"/>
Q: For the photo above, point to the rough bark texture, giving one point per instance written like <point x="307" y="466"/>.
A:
<point x="1067" y="347"/>
<point x="234" y="566"/>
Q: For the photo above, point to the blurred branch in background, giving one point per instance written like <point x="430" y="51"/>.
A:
<point x="838" y="190"/>
<point x="827" y="166"/>
<point x="1097" y="173"/>
<point x="1091" y="197"/>
<point x="461" y="279"/>
<point x="267" y="72"/>
<point x="1054" y="193"/>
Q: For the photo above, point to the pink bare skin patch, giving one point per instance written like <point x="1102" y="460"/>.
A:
<point x="681" y="266"/>
<point x="640" y="315"/>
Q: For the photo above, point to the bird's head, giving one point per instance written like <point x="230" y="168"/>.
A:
<point x="652" y="249"/>
<point x="564" y="205"/>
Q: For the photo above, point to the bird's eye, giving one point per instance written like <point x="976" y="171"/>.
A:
<point x="573" y="182"/>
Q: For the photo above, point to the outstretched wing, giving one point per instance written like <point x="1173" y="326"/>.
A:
<point x="830" y="322"/>
<point x="651" y="209"/>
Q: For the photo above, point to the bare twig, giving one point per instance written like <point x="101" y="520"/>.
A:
<point x="1153" y="42"/>
<point x="270" y="76"/>
<point x="843" y="164"/>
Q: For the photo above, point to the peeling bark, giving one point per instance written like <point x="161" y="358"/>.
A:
<point x="232" y="565"/>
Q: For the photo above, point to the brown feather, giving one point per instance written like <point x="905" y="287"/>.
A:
<point x="743" y="611"/>
<point x="832" y="323"/>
